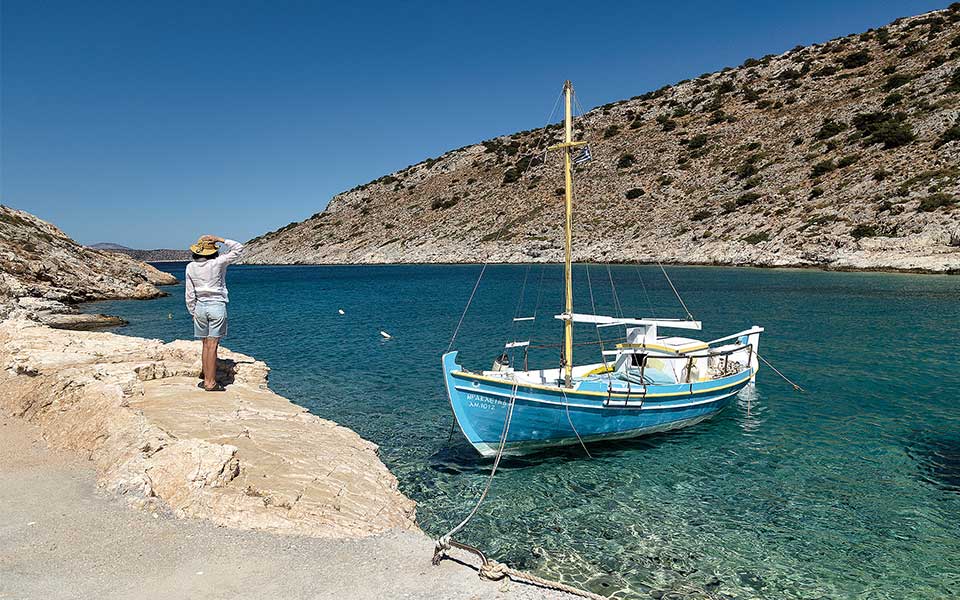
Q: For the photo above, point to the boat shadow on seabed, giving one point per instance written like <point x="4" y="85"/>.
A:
<point x="938" y="459"/>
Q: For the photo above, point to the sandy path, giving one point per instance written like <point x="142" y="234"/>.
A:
<point x="62" y="538"/>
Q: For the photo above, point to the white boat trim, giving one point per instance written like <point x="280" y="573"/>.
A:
<point x="516" y="344"/>
<point x="642" y="405"/>
<point x="750" y="331"/>
<point x="607" y="321"/>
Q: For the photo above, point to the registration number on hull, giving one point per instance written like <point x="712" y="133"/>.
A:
<point x="484" y="403"/>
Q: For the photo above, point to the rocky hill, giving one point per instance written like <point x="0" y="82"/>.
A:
<point x="844" y="154"/>
<point x="156" y="255"/>
<point x="43" y="272"/>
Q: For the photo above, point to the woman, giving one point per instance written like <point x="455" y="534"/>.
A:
<point x="206" y="295"/>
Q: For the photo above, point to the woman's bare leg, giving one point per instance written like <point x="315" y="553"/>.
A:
<point x="209" y="360"/>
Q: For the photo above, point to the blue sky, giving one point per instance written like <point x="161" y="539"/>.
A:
<point x="150" y="123"/>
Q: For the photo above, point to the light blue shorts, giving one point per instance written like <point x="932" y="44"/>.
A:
<point x="210" y="319"/>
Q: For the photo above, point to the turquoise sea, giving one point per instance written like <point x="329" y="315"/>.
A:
<point x="850" y="490"/>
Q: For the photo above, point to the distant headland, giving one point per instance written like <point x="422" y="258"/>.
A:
<point x="156" y="255"/>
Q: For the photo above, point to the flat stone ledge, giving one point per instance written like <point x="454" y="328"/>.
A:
<point x="244" y="458"/>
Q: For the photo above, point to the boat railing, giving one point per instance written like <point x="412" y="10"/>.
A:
<point x="539" y="344"/>
<point x="690" y="355"/>
<point x="746" y="332"/>
<point x="661" y="354"/>
<point x="681" y="354"/>
<point x="689" y="358"/>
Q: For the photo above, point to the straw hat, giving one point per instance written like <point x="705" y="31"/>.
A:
<point x="204" y="247"/>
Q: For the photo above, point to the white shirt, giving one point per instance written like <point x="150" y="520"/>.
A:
<point x="207" y="277"/>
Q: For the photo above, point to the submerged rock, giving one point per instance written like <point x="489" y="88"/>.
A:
<point x="82" y="321"/>
<point x="58" y="315"/>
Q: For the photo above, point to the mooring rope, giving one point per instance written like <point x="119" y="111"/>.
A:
<point x="489" y="568"/>
<point x="782" y="376"/>
<point x="493" y="470"/>
<point x="566" y="405"/>
<point x="495" y="571"/>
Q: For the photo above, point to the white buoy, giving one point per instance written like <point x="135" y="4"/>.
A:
<point x="341" y="311"/>
<point x="386" y="335"/>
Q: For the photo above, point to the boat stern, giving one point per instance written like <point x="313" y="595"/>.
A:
<point x="754" y="340"/>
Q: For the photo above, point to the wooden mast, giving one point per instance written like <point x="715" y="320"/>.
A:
<point x="567" y="146"/>
<point x="568" y="240"/>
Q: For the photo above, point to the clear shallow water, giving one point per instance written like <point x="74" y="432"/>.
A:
<point x="849" y="490"/>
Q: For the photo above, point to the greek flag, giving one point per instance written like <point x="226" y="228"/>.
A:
<point x="582" y="156"/>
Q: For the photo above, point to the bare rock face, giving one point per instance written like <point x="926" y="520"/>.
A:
<point x="837" y="155"/>
<point x="243" y="458"/>
<point x="43" y="273"/>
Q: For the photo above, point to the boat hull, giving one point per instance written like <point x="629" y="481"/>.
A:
<point x="545" y="416"/>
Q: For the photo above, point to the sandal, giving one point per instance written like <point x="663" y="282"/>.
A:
<point x="216" y="388"/>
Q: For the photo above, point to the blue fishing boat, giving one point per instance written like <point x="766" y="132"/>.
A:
<point x="648" y="382"/>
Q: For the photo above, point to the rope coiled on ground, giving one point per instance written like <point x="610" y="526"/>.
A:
<point x="495" y="571"/>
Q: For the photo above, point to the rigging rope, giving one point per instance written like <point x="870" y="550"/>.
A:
<point x="516" y="314"/>
<point x="644" y="286"/>
<point x="616" y="298"/>
<point x="543" y="269"/>
<point x="469" y="301"/>
<point x="593" y="307"/>
<point x="486" y="261"/>
<point x="579" y="107"/>
<point x="540" y="142"/>
<point x="523" y="289"/>
<point x="685" y="309"/>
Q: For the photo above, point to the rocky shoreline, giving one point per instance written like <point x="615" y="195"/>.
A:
<point x="245" y="458"/>
<point x="44" y="275"/>
<point x="947" y="269"/>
